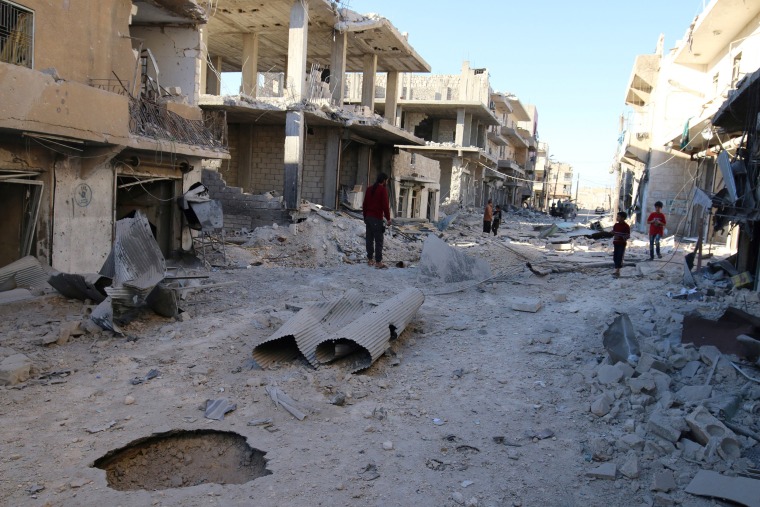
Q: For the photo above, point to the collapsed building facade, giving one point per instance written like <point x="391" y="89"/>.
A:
<point x="291" y="130"/>
<point x="671" y="142"/>
<point x="98" y="120"/>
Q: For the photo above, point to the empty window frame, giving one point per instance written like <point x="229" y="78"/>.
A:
<point x="736" y="70"/>
<point x="16" y="34"/>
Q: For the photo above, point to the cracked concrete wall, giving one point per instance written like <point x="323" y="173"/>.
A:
<point x="82" y="40"/>
<point x="176" y="50"/>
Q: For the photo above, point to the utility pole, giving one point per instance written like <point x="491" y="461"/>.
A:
<point x="556" y="180"/>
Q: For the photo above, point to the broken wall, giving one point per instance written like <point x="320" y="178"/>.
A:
<point x="242" y="210"/>
<point x="177" y="52"/>
<point x="92" y="31"/>
<point x="672" y="184"/>
<point x="82" y="217"/>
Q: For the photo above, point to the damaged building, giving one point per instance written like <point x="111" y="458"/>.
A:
<point x="484" y="141"/>
<point x="671" y="142"/>
<point x="98" y="121"/>
<point x="298" y="139"/>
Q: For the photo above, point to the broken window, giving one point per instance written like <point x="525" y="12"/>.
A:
<point x="16" y="34"/>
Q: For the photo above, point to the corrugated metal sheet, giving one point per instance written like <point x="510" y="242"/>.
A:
<point x="369" y="336"/>
<point x="13" y="295"/>
<point x="26" y="272"/>
<point x="138" y="262"/>
<point x="310" y="326"/>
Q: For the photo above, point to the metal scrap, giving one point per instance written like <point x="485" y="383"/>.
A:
<point x="215" y="409"/>
<point x="281" y="399"/>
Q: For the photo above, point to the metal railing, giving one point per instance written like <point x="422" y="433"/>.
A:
<point x="153" y="120"/>
<point x="16" y="35"/>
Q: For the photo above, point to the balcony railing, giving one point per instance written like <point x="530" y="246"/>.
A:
<point x="152" y="120"/>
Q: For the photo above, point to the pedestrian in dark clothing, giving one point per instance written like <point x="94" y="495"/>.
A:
<point x="496" y="220"/>
<point x="376" y="207"/>
<point x="621" y="231"/>
<point x="487" y="217"/>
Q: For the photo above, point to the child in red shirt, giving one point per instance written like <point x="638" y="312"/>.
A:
<point x="621" y="231"/>
<point x="656" y="223"/>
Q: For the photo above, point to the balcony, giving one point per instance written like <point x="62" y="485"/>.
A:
<point x="512" y="134"/>
<point x="155" y="121"/>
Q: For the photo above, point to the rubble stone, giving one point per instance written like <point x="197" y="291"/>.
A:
<point x="630" y="468"/>
<point x="601" y="406"/>
<point x="690" y="449"/>
<point x="633" y="441"/>
<point x="15" y="369"/>
<point x="626" y="368"/>
<point x="649" y="362"/>
<point x="690" y="369"/>
<point x="663" y="500"/>
<point x="642" y="384"/>
<point x="693" y="394"/>
<point x="664" y="426"/>
<point x="708" y="354"/>
<point x="608" y="374"/>
<point x="663" y="481"/>
<point x="605" y="471"/>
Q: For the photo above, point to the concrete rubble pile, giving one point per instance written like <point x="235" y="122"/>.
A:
<point x="669" y="407"/>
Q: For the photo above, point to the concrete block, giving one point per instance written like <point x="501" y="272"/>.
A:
<point x="664" y="426"/>
<point x="690" y="449"/>
<point x="630" y="468"/>
<point x="663" y="481"/>
<point x="527" y="305"/>
<point x="707" y="429"/>
<point x="608" y="374"/>
<point x="626" y="368"/>
<point x="602" y="405"/>
<point x="632" y="441"/>
<point x="642" y="384"/>
<point x="649" y="362"/>
<point x="606" y="471"/>
<point x="693" y="394"/>
<point x="690" y="369"/>
<point x="15" y="369"/>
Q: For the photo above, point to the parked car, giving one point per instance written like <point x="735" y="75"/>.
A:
<point x="599" y="210"/>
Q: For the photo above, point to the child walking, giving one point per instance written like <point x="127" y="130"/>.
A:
<point x="496" y="220"/>
<point x="621" y="231"/>
<point x="656" y="223"/>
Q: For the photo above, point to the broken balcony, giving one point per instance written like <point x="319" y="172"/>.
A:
<point x="157" y="121"/>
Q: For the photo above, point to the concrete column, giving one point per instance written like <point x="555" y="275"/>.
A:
<point x="250" y="78"/>
<point x="203" y="60"/>
<point x="213" y="80"/>
<point x="368" y="81"/>
<point x="467" y="129"/>
<point x="455" y="189"/>
<point x="362" y="171"/>
<point x="391" y="98"/>
<point x="332" y="167"/>
<point x="459" y="130"/>
<point x="338" y="68"/>
<point x="294" y="121"/>
<point x="245" y="157"/>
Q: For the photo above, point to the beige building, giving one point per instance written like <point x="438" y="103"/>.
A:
<point x="668" y="140"/>
<point x="98" y="119"/>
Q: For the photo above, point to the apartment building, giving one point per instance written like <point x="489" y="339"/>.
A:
<point x="98" y="119"/>
<point x="670" y="143"/>
<point x="292" y="132"/>
<point x="480" y="138"/>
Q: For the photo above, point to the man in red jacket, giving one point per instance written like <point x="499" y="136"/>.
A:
<point x="656" y="223"/>
<point x="374" y="208"/>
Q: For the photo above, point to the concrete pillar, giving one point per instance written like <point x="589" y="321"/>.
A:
<point x="459" y="130"/>
<point x="391" y="98"/>
<point x="467" y="129"/>
<point x="338" y="68"/>
<point x="294" y="121"/>
<point x="214" y="79"/>
<point x="368" y="81"/>
<point x="250" y="78"/>
<point x="203" y="60"/>
<point x="455" y="188"/>
<point x="363" y="169"/>
<point x="245" y="157"/>
<point x="332" y="167"/>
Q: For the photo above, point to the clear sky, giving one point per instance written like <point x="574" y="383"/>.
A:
<point x="572" y="59"/>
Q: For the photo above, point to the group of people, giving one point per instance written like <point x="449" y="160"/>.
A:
<point x="621" y="231"/>
<point x="376" y="208"/>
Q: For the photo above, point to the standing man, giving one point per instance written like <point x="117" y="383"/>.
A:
<point x="374" y="208"/>
<point x="487" y="217"/>
<point x="656" y="223"/>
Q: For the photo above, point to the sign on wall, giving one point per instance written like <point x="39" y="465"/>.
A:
<point x="83" y="195"/>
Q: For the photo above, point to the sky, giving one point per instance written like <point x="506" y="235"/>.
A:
<point x="571" y="59"/>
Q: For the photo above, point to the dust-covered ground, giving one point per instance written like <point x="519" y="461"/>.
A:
<point x="475" y="404"/>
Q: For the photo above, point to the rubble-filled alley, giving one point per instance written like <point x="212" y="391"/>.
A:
<point x="514" y="387"/>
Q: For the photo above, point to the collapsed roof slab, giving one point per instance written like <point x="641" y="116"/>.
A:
<point x="231" y="19"/>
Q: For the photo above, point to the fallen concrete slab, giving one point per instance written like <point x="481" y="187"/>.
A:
<point x="741" y="490"/>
